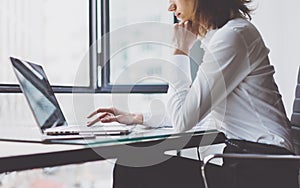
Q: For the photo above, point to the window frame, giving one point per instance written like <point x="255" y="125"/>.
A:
<point x="95" y="60"/>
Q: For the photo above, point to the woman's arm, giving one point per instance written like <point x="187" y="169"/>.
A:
<point x="225" y="65"/>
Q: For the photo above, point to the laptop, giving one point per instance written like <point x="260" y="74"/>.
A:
<point x="46" y="110"/>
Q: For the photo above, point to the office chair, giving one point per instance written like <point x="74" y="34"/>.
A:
<point x="271" y="158"/>
<point x="295" y="125"/>
<point x="295" y="119"/>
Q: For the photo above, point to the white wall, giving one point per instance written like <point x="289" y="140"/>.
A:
<point x="278" y="22"/>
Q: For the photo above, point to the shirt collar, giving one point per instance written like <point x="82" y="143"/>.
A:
<point x="206" y="39"/>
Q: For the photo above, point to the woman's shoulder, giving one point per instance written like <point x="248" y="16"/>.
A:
<point x="238" y="28"/>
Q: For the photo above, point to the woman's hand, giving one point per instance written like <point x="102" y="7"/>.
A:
<point x="108" y="115"/>
<point x="185" y="35"/>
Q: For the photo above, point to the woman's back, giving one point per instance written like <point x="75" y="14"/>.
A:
<point x="254" y="109"/>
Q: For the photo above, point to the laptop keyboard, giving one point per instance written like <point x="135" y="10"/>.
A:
<point x="77" y="129"/>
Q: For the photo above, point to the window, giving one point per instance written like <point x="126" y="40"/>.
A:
<point x="69" y="39"/>
<point x="52" y="33"/>
<point x="134" y="62"/>
<point x="129" y="62"/>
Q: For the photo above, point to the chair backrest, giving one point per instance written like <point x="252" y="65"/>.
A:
<point x="295" y="119"/>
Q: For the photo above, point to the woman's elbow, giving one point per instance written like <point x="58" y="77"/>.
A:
<point x="181" y="125"/>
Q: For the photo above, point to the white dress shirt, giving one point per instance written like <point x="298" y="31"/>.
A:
<point x="234" y="85"/>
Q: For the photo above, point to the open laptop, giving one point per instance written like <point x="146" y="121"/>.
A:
<point x="45" y="108"/>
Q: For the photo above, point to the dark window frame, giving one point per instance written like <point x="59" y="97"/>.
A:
<point x="96" y="60"/>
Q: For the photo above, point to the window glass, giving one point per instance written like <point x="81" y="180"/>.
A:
<point x="134" y="57"/>
<point x="53" y="33"/>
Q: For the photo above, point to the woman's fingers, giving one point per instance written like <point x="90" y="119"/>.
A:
<point x="98" y="119"/>
<point x="90" y="123"/>
<point x="102" y="110"/>
<point x="183" y="37"/>
<point x="188" y="25"/>
<point x="109" y="119"/>
<point x="108" y="115"/>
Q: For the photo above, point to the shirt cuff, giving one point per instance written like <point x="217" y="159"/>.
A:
<point x="155" y="121"/>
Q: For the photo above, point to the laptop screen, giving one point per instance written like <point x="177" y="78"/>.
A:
<point x="39" y="94"/>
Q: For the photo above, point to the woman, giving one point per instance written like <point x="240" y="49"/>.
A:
<point x="234" y="85"/>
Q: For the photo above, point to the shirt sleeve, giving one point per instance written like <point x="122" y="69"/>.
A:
<point x="225" y="65"/>
<point x="178" y="67"/>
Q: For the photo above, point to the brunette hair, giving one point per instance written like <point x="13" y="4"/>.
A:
<point x="214" y="14"/>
